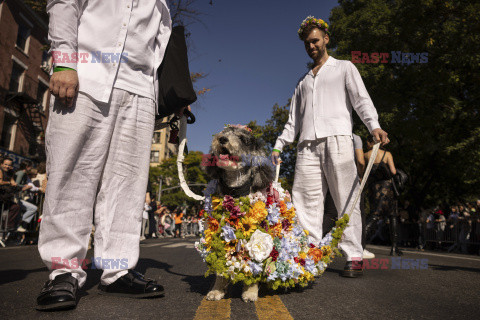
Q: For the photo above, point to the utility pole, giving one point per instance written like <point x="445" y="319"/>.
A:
<point x="159" y="189"/>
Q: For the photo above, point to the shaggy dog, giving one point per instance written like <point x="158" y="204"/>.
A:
<point x="240" y="166"/>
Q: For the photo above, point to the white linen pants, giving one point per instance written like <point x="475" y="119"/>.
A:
<point x="97" y="164"/>
<point x="322" y="165"/>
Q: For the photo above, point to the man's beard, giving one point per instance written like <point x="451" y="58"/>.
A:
<point x="317" y="55"/>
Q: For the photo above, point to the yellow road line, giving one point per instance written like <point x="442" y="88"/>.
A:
<point x="272" y="308"/>
<point x="213" y="310"/>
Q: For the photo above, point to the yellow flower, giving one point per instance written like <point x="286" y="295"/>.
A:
<point x="216" y="202"/>
<point x="327" y="250"/>
<point x="248" y="226"/>
<point x="302" y="255"/>
<point x="258" y="212"/>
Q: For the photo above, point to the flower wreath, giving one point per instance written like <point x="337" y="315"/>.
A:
<point x="257" y="238"/>
<point x="311" y="20"/>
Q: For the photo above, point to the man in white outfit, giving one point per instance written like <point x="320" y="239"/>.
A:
<point x="106" y="55"/>
<point x="321" y="114"/>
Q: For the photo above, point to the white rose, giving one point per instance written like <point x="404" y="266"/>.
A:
<point x="237" y="265"/>
<point x="260" y="245"/>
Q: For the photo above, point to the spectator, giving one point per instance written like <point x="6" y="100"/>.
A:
<point x="21" y="176"/>
<point x="440" y="225"/>
<point x="178" y="222"/>
<point x="382" y="197"/>
<point x="8" y="191"/>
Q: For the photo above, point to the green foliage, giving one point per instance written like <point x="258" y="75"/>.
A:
<point x="269" y="133"/>
<point x="168" y="172"/>
<point x="430" y="110"/>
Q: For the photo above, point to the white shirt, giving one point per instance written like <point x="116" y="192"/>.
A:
<point x="97" y="31"/>
<point x="322" y="104"/>
<point x="136" y="74"/>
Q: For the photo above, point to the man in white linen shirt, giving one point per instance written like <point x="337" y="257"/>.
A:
<point x="106" y="55"/>
<point x="321" y="113"/>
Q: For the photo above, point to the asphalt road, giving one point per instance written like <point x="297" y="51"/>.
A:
<point x="447" y="289"/>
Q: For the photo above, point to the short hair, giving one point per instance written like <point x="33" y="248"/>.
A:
<point x="306" y="31"/>
<point x="24" y="164"/>
<point x="42" y="168"/>
<point x="5" y="159"/>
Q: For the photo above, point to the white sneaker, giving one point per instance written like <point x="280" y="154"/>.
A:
<point x="367" y="254"/>
<point x="142" y="238"/>
<point x="21" y="229"/>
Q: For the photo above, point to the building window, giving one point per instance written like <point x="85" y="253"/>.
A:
<point x="22" y="37"/>
<point x="17" y="78"/>
<point x="156" y="137"/>
<point x="42" y="95"/>
<point x="46" y="61"/>
<point x="154" y="156"/>
<point x="8" y="131"/>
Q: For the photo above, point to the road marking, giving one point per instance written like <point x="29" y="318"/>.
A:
<point x="272" y="308"/>
<point x="218" y="310"/>
<point x="168" y="245"/>
<point x="427" y="253"/>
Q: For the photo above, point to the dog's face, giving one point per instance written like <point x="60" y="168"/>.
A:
<point x="239" y="160"/>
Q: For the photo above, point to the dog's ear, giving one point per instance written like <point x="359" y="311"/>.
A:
<point x="262" y="174"/>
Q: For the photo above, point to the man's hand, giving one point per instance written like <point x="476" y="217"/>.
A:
<point x="380" y="136"/>
<point x="276" y="157"/>
<point x="27" y="187"/>
<point x="64" y="86"/>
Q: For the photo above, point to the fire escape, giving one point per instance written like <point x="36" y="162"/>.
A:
<point x="31" y="122"/>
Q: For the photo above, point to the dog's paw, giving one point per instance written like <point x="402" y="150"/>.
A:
<point x="250" y="294"/>
<point x="215" y="295"/>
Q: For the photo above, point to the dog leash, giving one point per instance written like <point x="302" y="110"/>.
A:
<point x="182" y="135"/>
<point x="373" y="156"/>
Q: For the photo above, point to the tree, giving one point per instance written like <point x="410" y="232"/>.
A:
<point x="167" y="171"/>
<point x="269" y="133"/>
<point x="430" y="109"/>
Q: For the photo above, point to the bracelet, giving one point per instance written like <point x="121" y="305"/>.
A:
<point x="277" y="150"/>
<point x="56" y="69"/>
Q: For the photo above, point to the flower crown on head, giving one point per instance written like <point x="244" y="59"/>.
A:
<point x="311" y="20"/>
<point x="240" y="126"/>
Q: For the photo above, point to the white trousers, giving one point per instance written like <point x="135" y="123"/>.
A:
<point x="97" y="164"/>
<point x="322" y="165"/>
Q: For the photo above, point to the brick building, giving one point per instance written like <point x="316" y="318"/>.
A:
<point x="24" y="80"/>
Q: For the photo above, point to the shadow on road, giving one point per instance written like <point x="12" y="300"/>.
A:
<point x="7" y="276"/>
<point x="452" y="268"/>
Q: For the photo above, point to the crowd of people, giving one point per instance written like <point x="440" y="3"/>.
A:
<point x="21" y="197"/>
<point x="171" y="221"/>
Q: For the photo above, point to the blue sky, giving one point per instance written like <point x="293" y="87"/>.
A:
<point x="253" y="57"/>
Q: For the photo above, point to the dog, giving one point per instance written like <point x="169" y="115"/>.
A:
<point x="241" y="168"/>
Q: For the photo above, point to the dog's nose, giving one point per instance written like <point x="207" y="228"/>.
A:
<point x="223" y="140"/>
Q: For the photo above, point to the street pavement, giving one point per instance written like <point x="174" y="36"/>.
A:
<point x="448" y="288"/>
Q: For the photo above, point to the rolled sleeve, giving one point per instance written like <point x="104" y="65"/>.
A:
<point x="63" y="31"/>
<point x="291" y="128"/>
<point x="360" y="99"/>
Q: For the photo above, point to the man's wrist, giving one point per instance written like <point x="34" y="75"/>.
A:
<point x="60" y="68"/>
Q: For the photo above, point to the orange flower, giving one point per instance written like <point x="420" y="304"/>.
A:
<point x="283" y="207"/>
<point x="213" y="224"/>
<point x="276" y="230"/>
<point x="316" y="254"/>
<point x="234" y="222"/>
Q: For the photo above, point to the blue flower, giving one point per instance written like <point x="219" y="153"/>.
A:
<point x="297" y="230"/>
<point x="310" y="265"/>
<point x="228" y="233"/>
<point x="256" y="267"/>
<point x="273" y="214"/>
<point x="272" y="276"/>
<point x="326" y="240"/>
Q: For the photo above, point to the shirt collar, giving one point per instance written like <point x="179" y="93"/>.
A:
<point x="331" y="61"/>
